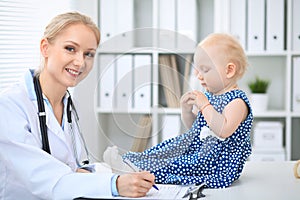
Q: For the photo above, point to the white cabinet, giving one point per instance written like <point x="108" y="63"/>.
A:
<point x="165" y="31"/>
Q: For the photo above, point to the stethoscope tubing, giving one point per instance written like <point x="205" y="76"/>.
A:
<point x="41" y="114"/>
<point x="70" y="109"/>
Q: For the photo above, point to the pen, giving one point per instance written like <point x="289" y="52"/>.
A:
<point x="132" y="166"/>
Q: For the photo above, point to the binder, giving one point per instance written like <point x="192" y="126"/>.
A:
<point x="124" y="82"/>
<point x="175" y="76"/>
<point x="166" y="24"/>
<point x="107" y="81"/>
<point x="143" y="134"/>
<point x="296" y="25"/>
<point x="116" y="24"/>
<point x="237" y="20"/>
<point x="108" y="20"/>
<point x="166" y="81"/>
<point x="187" y="73"/>
<point x="124" y="24"/>
<point x="221" y="15"/>
<point x="256" y="25"/>
<point x="275" y="25"/>
<point x="171" y="126"/>
<point x="296" y="85"/>
<point x="169" y="80"/>
<point x="142" y="81"/>
<point x="186" y="24"/>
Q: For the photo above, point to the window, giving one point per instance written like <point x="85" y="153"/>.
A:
<point x="21" y="27"/>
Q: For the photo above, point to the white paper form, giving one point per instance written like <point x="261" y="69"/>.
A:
<point x="165" y="191"/>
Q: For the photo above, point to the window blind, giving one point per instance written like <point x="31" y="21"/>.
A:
<point x="22" y="23"/>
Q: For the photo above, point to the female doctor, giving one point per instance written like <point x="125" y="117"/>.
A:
<point x="35" y="165"/>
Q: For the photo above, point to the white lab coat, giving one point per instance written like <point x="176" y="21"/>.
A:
<point x="26" y="171"/>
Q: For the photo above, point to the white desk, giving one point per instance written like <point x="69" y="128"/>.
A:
<point x="261" y="180"/>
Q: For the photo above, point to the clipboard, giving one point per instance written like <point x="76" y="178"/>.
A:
<point x="166" y="191"/>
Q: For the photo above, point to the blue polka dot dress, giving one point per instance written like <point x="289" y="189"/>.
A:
<point x="191" y="158"/>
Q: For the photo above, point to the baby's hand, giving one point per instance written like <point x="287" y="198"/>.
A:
<point x="200" y="100"/>
<point x="186" y="102"/>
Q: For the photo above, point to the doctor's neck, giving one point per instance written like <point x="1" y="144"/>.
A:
<point x="52" y="89"/>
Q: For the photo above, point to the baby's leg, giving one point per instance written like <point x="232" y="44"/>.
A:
<point x="111" y="157"/>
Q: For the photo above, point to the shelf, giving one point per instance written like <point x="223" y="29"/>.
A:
<point x="274" y="65"/>
<point x="119" y="111"/>
<point x="144" y="50"/>
<point x="168" y="111"/>
<point x="137" y="50"/>
<point x="265" y="53"/>
<point x="295" y="114"/>
<point x="295" y="53"/>
<point x="270" y="114"/>
<point x="146" y="111"/>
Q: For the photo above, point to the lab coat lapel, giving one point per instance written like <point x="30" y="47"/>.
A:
<point x="52" y="123"/>
<point x="57" y="135"/>
<point x="60" y="145"/>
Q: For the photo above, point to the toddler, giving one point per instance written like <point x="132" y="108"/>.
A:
<point x="214" y="149"/>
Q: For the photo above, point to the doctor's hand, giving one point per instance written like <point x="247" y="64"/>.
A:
<point x="79" y="170"/>
<point x="135" y="184"/>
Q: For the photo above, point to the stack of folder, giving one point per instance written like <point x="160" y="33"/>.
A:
<point x="171" y="78"/>
<point x="143" y="134"/>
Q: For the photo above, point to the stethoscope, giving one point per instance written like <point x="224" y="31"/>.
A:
<point x="70" y="109"/>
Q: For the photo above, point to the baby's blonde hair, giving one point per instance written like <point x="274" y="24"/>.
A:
<point x="232" y="49"/>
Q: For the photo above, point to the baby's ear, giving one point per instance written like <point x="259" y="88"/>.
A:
<point x="230" y="70"/>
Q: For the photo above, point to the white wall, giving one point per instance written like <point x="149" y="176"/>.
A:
<point x="84" y="93"/>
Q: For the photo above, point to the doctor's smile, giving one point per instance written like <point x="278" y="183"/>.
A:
<point x="73" y="72"/>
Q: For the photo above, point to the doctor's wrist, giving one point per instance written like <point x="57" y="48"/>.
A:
<point x="80" y="170"/>
<point x="114" y="189"/>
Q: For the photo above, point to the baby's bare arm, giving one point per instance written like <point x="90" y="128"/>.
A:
<point x="226" y="123"/>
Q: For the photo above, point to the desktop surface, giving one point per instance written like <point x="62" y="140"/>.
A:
<point x="261" y="180"/>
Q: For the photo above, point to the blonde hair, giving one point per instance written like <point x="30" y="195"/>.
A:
<point x="61" y="22"/>
<point x="232" y="49"/>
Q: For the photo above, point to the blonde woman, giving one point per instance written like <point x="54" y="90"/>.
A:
<point x="38" y="147"/>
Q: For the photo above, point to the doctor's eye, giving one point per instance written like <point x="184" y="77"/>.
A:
<point x="70" y="48"/>
<point x="90" y="54"/>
